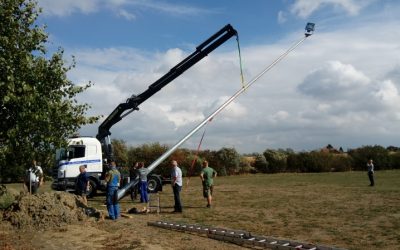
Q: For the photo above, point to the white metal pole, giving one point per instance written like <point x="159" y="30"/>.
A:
<point x="122" y="191"/>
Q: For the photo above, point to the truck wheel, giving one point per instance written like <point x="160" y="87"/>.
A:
<point x="153" y="184"/>
<point x="92" y="188"/>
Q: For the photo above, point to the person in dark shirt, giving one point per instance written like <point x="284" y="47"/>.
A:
<point x="82" y="183"/>
<point x="132" y="176"/>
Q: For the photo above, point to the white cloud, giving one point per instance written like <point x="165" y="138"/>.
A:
<point x="388" y="94"/>
<point x="175" y="9"/>
<point x="122" y="8"/>
<point x="281" y="115"/>
<point x="125" y="14"/>
<point x="67" y="7"/>
<point x="334" y="80"/>
<point x="281" y="17"/>
<point x="304" y="8"/>
<point x="340" y="87"/>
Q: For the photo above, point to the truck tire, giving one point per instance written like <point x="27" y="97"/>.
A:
<point x="92" y="191"/>
<point x="153" y="184"/>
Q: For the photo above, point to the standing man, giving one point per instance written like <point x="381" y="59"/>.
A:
<point x="132" y="176"/>
<point x="144" y="197"/>
<point x="370" y="166"/>
<point x="82" y="183"/>
<point x="176" y="182"/>
<point x="34" y="178"/>
<point x="113" y="178"/>
<point x="207" y="175"/>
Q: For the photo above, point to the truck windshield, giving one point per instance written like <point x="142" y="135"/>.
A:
<point x="76" y="151"/>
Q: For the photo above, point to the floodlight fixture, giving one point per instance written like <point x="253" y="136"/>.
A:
<point x="309" y="29"/>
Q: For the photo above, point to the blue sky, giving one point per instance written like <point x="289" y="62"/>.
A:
<point x="341" y="86"/>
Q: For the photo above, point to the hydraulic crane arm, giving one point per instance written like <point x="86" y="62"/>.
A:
<point x="133" y="102"/>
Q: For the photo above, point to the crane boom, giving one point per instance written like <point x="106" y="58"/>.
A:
<point x="134" y="101"/>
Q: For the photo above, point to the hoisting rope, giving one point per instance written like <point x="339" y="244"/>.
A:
<point x="190" y="172"/>
<point x="240" y="62"/>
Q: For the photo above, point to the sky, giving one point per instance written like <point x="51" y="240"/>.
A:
<point x="341" y="86"/>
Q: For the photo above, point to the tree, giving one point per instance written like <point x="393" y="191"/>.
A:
<point x="379" y="154"/>
<point x="38" y="108"/>
<point x="121" y="154"/>
<point x="246" y="163"/>
<point x="228" y="161"/>
<point x="260" y="163"/>
<point x="277" y="160"/>
<point x="148" y="153"/>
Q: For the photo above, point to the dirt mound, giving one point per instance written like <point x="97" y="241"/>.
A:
<point x="7" y="196"/>
<point x="45" y="210"/>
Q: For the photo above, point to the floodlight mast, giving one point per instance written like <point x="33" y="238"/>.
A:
<point x="309" y="31"/>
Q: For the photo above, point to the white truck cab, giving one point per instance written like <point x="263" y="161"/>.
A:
<point x="81" y="151"/>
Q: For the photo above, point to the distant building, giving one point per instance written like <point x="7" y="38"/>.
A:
<point x="330" y="149"/>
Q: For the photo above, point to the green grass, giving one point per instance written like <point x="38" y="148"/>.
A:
<point x="336" y="209"/>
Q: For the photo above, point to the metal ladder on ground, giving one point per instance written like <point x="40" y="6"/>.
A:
<point x="240" y="237"/>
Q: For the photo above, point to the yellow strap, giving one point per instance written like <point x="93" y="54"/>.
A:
<point x="240" y="63"/>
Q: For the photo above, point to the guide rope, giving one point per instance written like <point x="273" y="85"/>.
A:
<point x="197" y="153"/>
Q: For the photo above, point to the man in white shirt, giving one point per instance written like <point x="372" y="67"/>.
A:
<point x="176" y="182"/>
<point x="34" y="178"/>
<point x="370" y="166"/>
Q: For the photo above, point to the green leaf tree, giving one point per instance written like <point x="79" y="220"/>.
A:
<point x="121" y="154"/>
<point x="260" y="163"/>
<point x="277" y="160"/>
<point x="228" y="161"/>
<point x="38" y="106"/>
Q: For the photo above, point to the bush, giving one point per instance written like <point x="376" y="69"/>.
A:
<point x="340" y="163"/>
<point x="246" y="165"/>
<point x="394" y="159"/>
<point x="378" y="154"/>
<point x="318" y="162"/>
<point x="260" y="163"/>
<point x="7" y="197"/>
<point x="277" y="160"/>
<point x="228" y="161"/>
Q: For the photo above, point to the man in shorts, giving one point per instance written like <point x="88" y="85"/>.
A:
<point x="207" y="174"/>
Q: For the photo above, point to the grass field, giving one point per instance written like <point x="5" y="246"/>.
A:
<point x="336" y="209"/>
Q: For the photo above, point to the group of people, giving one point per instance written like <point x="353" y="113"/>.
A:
<point x="207" y="174"/>
<point x="113" y="178"/>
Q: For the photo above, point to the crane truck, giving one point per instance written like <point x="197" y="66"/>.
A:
<point x="97" y="152"/>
